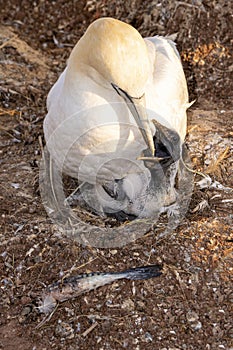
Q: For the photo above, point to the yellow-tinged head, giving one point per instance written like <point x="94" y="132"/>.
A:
<point x="117" y="52"/>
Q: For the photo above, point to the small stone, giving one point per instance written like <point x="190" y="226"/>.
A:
<point x="26" y="310"/>
<point x="128" y="304"/>
<point x="64" y="330"/>
<point x="15" y="185"/>
<point x="32" y="210"/>
<point x="230" y="297"/>
<point x="148" y="337"/>
<point x="192" y="316"/>
<point x="196" y="326"/>
<point x="113" y="251"/>
<point x="136" y="254"/>
<point x="140" y="305"/>
<point x="230" y="333"/>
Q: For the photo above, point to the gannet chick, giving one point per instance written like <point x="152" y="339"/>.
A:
<point x="120" y="100"/>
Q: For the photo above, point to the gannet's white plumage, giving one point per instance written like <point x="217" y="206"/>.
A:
<point x="100" y="114"/>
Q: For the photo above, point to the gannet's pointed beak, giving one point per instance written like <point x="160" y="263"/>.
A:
<point x="167" y="143"/>
<point x="138" y="110"/>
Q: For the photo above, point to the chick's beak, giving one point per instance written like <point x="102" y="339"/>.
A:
<point x="138" y="110"/>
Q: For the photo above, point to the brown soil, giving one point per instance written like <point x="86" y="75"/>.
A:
<point x="190" y="305"/>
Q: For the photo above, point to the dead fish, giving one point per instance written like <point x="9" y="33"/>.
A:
<point x="71" y="287"/>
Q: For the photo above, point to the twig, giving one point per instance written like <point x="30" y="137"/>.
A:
<point x="7" y="41"/>
<point x="87" y="331"/>
<point x="46" y="319"/>
<point x="214" y="164"/>
<point x="11" y="112"/>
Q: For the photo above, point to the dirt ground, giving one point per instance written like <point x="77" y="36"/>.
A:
<point x="190" y="305"/>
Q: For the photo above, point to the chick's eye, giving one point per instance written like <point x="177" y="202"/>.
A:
<point x="175" y="138"/>
<point x="110" y="189"/>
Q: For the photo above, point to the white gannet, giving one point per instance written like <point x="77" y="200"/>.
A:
<point x="116" y="119"/>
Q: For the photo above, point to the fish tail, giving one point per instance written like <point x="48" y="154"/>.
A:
<point x="143" y="272"/>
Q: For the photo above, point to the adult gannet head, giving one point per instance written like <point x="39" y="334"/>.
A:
<point x="115" y="55"/>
